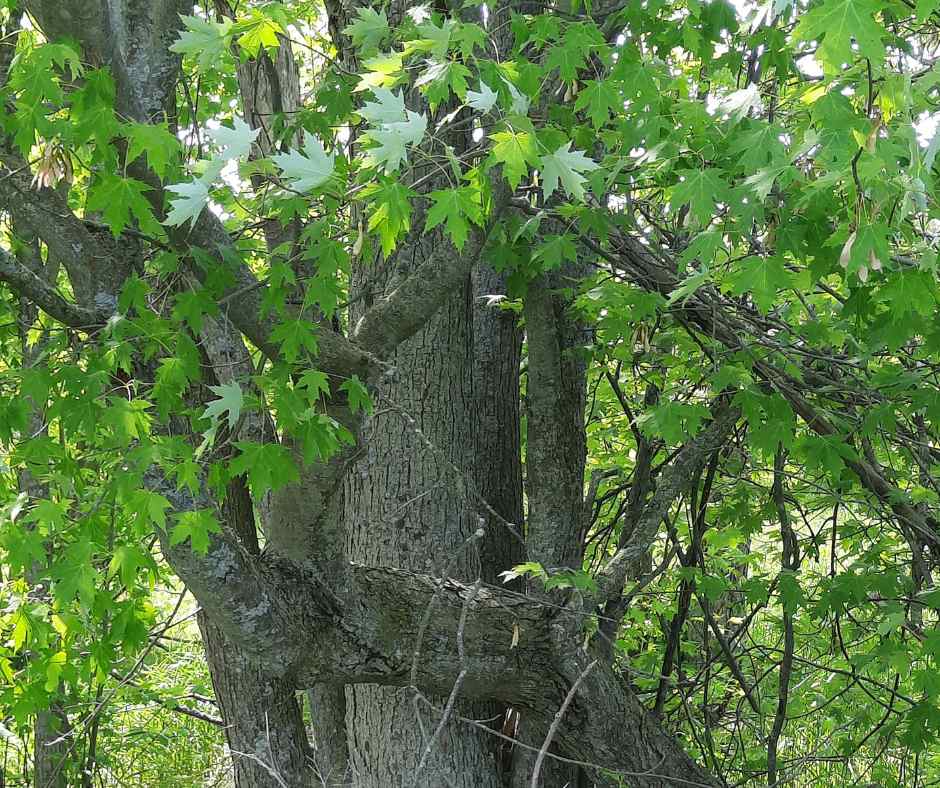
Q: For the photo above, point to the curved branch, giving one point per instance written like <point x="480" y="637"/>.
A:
<point x="29" y="285"/>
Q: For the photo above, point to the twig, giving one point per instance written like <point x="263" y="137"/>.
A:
<point x="553" y="728"/>
<point x="452" y="698"/>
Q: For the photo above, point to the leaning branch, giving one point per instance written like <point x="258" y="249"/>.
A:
<point x="402" y="313"/>
<point x="29" y="285"/>
<point x="707" y="315"/>
<point x="675" y="480"/>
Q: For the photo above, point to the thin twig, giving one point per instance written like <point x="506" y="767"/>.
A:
<point x="553" y="728"/>
<point x="455" y="691"/>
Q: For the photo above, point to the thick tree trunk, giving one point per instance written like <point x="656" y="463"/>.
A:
<point x="263" y="723"/>
<point x="303" y="620"/>
<point x="263" y="720"/>
<point x="555" y="457"/>
<point x="452" y="404"/>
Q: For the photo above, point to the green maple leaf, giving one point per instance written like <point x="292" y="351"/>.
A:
<point x="570" y="56"/>
<point x="156" y="141"/>
<point x="118" y="198"/>
<point x="25" y="548"/>
<point x="74" y="573"/>
<point x="389" y="211"/>
<point x="762" y="278"/>
<point x="825" y="453"/>
<point x="468" y="36"/>
<point x="837" y="23"/>
<point x="434" y="39"/>
<point x="675" y="422"/>
<point x="442" y="78"/>
<point x="770" y="419"/>
<point x="308" y="170"/>
<point x="700" y="190"/>
<point x="368" y="30"/>
<point x="320" y="436"/>
<point x="93" y="107"/>
<point x="357" y="395"/>
<point x="555" y="250"/>
<point x="192" y="306"/>
<point x="316" y="383"/>
<point x="267" y="466"/>
<point x="128" y="420"/>
<point x="455" y="207"/>
<point x="910" y="292"/>
<point x="127" y="561"/>
<point x="196" y="526"/>
<point x="600" y="98"/>
<point x="566" y="166"/>
<point x="515" y="150"/>
<point x="174" y="374"/>
<point x="230" y="401"/>
<point x="203" y="39"/>
<point x="149" y="506"/>
<point x="758" y="146"/>
<point x="568" y="61"/>
<point x="295" y="336"/>
<point x="260" y="32"/>
<point x="382" y="71"/>
<point x="791" y="593"/>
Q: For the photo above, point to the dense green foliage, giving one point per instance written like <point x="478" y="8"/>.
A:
<point x="776" y="160"/>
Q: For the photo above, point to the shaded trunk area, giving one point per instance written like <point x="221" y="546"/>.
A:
<point x="440" y="475"/>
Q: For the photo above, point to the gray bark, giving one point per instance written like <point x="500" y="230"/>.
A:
<point x="441" y="462"/>
<point x="50" y="752"/>
<point x="555" y="457"/>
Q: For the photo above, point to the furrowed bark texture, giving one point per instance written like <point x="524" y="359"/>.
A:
<point x="263" y="723"/>
<point x="450" y="405"/>
<point x="555" y="457"/>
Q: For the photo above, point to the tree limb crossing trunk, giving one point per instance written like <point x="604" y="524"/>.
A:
<point x="457" y="379"/>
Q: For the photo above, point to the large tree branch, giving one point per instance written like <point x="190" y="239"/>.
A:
<point x="404" y="310"/>
<point x="131" y="36"/>
<point x="45" y="214"/>
<point x="555" y="442"/>
<point x="380" y="625"/>
<point x="29" y="285"/>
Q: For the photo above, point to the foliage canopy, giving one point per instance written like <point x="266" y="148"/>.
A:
<point x="736" y="205"/>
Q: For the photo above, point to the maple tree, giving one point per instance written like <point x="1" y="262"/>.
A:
<point x="525" y="393"/>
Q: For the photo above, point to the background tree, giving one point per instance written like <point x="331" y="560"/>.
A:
<point x="526" y="393"/>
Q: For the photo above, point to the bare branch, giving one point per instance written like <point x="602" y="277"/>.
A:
<point x="674" y="480"/>
<point x="553" y="728"/>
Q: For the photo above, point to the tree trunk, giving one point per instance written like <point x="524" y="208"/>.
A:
<point x="50" y="761"/>
<point x="451" y="404"/>
<point x="263" y="727"/>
